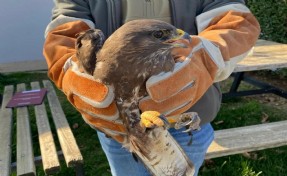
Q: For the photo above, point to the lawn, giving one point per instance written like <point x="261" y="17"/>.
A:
<point x="234" y="113"/>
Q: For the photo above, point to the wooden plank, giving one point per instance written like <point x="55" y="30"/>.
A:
<point x="266" y="55"/>
<point x="66" y="138"/>
<point x="25" y="156"/>
<point x="249" y="138"/>
<point x="50" y="159"/>
<point x="6" y="124"/>
<point x="19" y="66"/>
<point x="38" y="160"/>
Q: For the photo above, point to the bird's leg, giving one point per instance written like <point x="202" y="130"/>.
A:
<point x="190" y="121"/>
<point x="151" y="119"/>
<point x="129" y="111"/>
<point x="165" y="121"/>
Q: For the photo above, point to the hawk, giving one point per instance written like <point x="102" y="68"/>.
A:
<point x="136" y="51"/>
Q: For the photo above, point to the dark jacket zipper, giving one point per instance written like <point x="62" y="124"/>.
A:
<point x="172" y="4"/>
<point x="111" y="17"/>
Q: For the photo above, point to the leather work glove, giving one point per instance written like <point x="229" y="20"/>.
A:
<point x="210" y="57"/>
<point x="173" y="93"/>
<point x="92" y="99"/>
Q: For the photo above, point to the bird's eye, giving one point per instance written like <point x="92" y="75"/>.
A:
<point x="158" y="34"/>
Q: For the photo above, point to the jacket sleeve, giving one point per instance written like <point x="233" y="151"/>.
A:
<point x="232" y="28"/>
<point x="69" y="18"/>
<point x="72" y="8"/>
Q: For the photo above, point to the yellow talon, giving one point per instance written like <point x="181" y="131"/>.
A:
<point x="150" y="119"/>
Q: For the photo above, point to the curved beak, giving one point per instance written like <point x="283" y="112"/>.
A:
<point x="183" y="35"/>
<point x="180" y="39"/>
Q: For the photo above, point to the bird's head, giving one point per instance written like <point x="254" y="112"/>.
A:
<point x="151" y="35"/>
<point x="145" y="43"/>
<point x="138" y="50"/>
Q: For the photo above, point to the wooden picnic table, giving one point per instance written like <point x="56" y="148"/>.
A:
<point x="266" y="55"/>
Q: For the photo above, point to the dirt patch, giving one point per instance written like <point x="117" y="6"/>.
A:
<point x="271" y="99"/>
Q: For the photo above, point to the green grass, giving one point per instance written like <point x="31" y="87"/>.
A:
<point x="234" y="113"/>
<point x="242" y="112"/>
<point x="239" y="112"/>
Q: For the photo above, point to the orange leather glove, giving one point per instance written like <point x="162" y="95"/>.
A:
<point x="95" y="101"/>
<point x="173" y="93"/>
<point x="92" y="99"/>
<point x="222" y="42"/>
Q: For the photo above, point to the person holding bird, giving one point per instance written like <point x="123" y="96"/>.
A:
<point x="221" y="34"/>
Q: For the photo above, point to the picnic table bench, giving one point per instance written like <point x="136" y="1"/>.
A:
<point x="25" y="160"/>
<point x="266" y="56"/>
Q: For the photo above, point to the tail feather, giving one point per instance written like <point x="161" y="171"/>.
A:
<point x="161" y="154"/>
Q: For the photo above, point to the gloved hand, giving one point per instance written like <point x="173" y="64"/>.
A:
<point x="173" y="93"/>
<point x="93" y="100"/>
<point x="211" y="57"/>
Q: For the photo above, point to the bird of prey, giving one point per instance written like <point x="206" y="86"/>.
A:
<point x="133" y="53"/>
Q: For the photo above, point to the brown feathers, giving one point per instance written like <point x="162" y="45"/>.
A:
<point x="87" y="45"/>
<point x="132" y="54"/>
